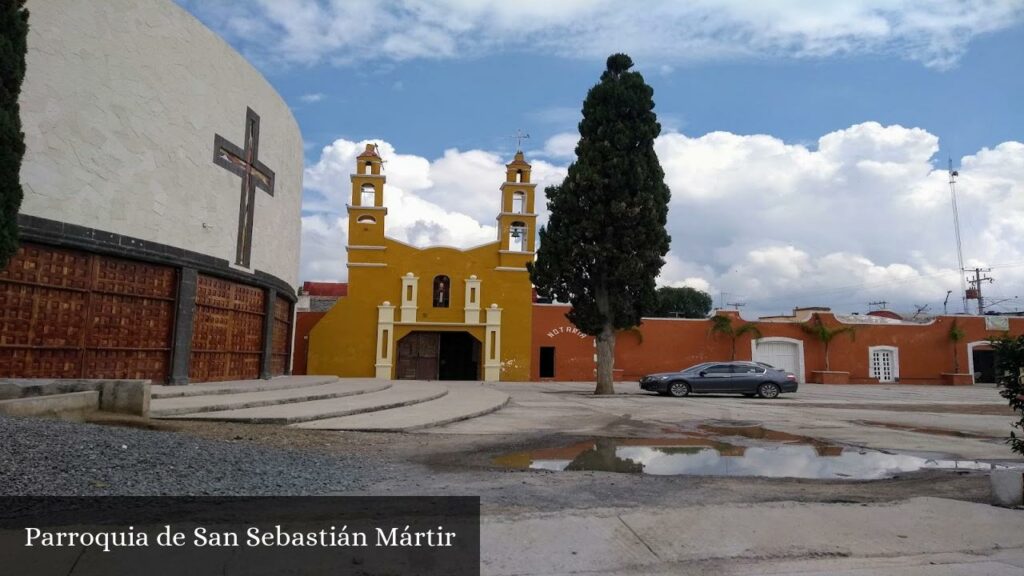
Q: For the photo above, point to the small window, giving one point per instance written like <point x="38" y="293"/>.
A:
<point x="368" y="195"/>
<point x="519" y="175"/>
<point x="366" y="220"/>
<point x="442" y="288"/>
<point x="718" y="369"/>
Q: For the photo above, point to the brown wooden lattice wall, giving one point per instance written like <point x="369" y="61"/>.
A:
<point x="227" y="337"/>
<point x="72" y="314"/>
<point x="282" y="335"/>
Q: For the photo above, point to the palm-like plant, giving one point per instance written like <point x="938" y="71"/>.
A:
<point x="825" y="335"/>
<point x="723" y="325"/>
<point x="956" y="334"/>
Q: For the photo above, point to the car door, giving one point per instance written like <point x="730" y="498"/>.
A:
<point x="746" y="377"/>
<point x="715" y="378"/>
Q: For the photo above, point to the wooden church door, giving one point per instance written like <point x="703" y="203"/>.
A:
<point x="418" y="356"/>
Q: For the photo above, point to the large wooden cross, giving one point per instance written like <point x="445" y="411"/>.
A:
<point x="245" y="163"/>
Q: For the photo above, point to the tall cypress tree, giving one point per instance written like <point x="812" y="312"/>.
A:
<point x="13" y="34"/>
<point x="605" y="241"/>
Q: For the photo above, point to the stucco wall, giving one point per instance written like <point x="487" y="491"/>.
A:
<point x="668" y="345"/>
<point x="344" y="341"/>
<point x="120" y="105"/>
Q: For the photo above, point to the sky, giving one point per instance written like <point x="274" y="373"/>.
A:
<point x="805" y="143"/>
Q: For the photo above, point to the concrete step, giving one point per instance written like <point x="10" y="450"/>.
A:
<point x="398" y="394"/>
<point x="461" y="403"/>
<point x="52" y="405"/>
<point x="239" y="386"/>
<point x="187" y="406"/>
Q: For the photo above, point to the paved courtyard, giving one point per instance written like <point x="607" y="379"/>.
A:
<point x="932" y="522"/>
<point x="966" y="422"/>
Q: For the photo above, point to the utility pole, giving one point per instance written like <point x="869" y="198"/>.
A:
<point x="956" y="228"/>
<point x="976" y="286"/>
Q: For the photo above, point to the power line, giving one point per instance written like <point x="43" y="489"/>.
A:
<point x="851" y="287"/>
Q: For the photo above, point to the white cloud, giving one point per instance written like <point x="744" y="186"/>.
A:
<point x="312" y="97"/>
<point x="934" y="32"/>
<point x="862" y="216"/>
<point x="562" y="145"/>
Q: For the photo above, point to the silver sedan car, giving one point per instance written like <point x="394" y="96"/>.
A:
<point x="747" y="378"/>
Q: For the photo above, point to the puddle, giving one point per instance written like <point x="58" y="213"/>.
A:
<point x="736" y="449"/>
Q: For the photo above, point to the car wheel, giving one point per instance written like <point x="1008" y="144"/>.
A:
<point x="678" y="389"/>
<point x="768" y="390"/>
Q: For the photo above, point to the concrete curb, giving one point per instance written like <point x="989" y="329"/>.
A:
<point x="321" y="415"/>
<point x="433" y="423"/>
<point x="228" y="405"/>
<point x="219" y="388"/>
<point x="443" y="422"/>
<point x="52" y="405"/>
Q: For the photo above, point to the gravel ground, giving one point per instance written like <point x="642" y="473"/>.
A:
<point x="51" y="457"/>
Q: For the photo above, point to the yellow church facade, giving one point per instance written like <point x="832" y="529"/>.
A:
<point x="436" y="313"/>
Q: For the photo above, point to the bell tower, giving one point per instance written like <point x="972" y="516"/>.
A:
<point x="517" y="219"/>
<point x="366" y="209"/>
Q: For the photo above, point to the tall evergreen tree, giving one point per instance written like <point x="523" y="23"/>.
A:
<point x="13" y="34"/>
<point x="605" y="241"/>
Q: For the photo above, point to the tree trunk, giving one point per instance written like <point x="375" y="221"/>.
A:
<point x="605" y="360"/>
<point x="827" y="368"/>
<point x="956" y="359"/>
<point x="733" y="348"/>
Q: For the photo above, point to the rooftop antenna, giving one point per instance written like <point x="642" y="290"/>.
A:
<point x="956" y="228"/>
<point x="881" y="304"/>
<point x="736" y="305"/>
<point x="520" y="136"/>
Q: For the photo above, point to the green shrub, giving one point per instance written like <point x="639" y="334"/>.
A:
<point x="1010" y="375"/>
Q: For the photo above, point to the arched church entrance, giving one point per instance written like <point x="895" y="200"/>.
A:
<point x="438" y="356"/>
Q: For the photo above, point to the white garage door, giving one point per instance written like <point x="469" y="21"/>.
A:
<point x="782" y="355"/>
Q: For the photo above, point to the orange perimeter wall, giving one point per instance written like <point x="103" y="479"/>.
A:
<point x="663" y="344"/>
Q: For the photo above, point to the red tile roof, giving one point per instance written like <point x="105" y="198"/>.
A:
<point x="336" y="289"/>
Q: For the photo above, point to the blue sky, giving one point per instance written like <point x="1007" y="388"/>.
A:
<point x="812" y="134"/>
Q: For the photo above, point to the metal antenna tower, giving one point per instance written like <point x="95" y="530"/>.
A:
<point x="956" y="227"/>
